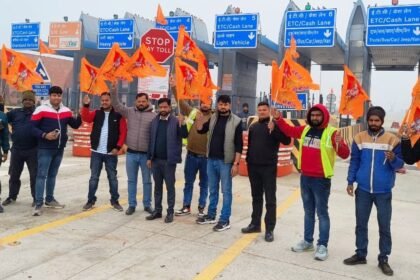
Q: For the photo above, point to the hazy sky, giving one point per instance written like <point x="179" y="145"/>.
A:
<point x="392" y="90"/>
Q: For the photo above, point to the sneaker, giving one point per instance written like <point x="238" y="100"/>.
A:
<point x="221" y="226"/>
<point x="321" y="253"/>
<point x="206" y="219"/>
<point x="1" y="209"/>
<point x="8" y="201"/>
<point x="37" y="210"/>
<point x="116" y="206"/>
<point x="200" y="211"/>
<point x="355" y="259"/>
<point x="54" y="204"/>
<point x="386" y="269"/>
<point x="184" y="211"/>
<point x="88" y="205"/>
<point x="303" y="246"/>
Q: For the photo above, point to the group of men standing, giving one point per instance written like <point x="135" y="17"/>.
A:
<point x="214" y="147"/>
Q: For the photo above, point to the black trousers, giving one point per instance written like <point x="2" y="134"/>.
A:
<point x="164" y="172"/>
<point x="263" y="180"/>
<point x="18" y="159"/>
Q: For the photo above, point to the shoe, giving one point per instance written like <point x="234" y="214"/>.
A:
<point x="8" y="201"/>
<point x="153" y="216"/>
<point x="116" y="206"/>
<point x="221" y="226"/>
<point x="386" y="269"/>
<point x="355" y="259"/>
<point x="37" y="210"/>
<point x="251" y="229"/>
<point x="303" y="246"/>
<point x="200" y="211"/>
<point x="1" y="209"/>
<point x="33" y="203"/>
<point x="269" y="236"/>
<point x="88" y="205"/>
<point x="184" y="211"/>
<point x="148" y="210"/>
<point x="169" y="218"/>
<point x="206" y="219"/>
<point x="54" y="204"/>
<point x="130" y="210"/>
<point x="321" y="253"/>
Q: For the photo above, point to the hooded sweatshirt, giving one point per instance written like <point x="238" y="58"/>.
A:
<point x="311" y="152"/>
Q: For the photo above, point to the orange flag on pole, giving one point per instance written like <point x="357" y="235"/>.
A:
<point x="187" y="81"/>
<point x="8" y="60"/>
<point x="160" y="18"/>
<point x="186" y="48"/>
<point x="45" y="49"/>
<point x="412" y="117"/>
<point x="114" y="65"/>
<point x="353" y="96"/>
<point x="293" y="48"/>
<point x="91" y="81"/>
<point x="142" y="64"/>
<point x="204" y="78"/>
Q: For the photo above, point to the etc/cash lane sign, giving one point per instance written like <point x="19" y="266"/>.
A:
<point x="119" y="31"/>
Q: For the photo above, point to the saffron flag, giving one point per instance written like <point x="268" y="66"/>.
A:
<point x="142" y="64"/>
<point x="186" y="48"/>
<point x="160" y="18"/>
<point x="293" y="48"/>
<point x="45" y="49"/>
<point x="412" y="117"/>
<point x="91" y="81"/>
<point x="114" y="65"/>
<point x="353" y="96"/>
<point x="187" y="81"/>
<point x="204" y="77"/>
<point x="8" y="60"/>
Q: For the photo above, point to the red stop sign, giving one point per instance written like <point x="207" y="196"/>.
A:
<point x="159" y="43"/>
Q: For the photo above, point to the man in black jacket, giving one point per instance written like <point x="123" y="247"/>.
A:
<point x="24" y="149"/>
<point x="411" y="154"/>
<point x="263" y="145"/>
<point x="108" y="135"/>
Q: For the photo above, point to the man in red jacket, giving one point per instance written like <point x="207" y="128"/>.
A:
<point x="318" y="145"/>
<point x="108" y="136"/>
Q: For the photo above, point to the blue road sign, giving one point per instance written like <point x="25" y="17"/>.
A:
<point x="393" y="26"/>
<point x="25" y="36"/>
<point x="174" y="23"/>
<point x="315" y="28"/>
<point x="41" y="89"/>
<point x="303" y="98"/>
<point x="236" y="31"/>
<point x="119" y="31"/>
<point x="42" y="71"/>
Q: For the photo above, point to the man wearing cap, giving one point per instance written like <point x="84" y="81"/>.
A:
<point x="4" y="142"/>
<point x="24" y="148"/>
<point x="49" y="126"/>
<point x="375" y="157"/>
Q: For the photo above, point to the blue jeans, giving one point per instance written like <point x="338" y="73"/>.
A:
<point x="219" y="171"/>
<point x="132" y="164"/>
<point x="194" y="164"/>
<point x="96" y="162"/>
<point x="364" y="202"/>
<point x="315" y="193"/>
<point x="49" y="161"/>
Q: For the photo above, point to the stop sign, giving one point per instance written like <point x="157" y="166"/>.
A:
<point x="159" y="43"/>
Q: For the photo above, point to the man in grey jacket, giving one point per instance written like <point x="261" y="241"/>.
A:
<point x="139" y="120"/>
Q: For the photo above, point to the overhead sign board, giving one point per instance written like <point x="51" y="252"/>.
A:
<point x="174" y="23"/>
<point x="119" y="31"/>
<point x="65" y="35"/>
<point x="236" y="31"/>
<point x="313" y="28"/>
<point x="393" y="26"/>
<point x="25" y="36"/>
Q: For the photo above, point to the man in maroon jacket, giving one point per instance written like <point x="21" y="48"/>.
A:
<point x="108" y="135"/>
<point x="318" y="145"/>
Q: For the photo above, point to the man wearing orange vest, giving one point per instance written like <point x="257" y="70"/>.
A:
<point x="318" y="145"/>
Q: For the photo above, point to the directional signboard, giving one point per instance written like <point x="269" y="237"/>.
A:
<point x="236" y="31"/>
<point x="315" y="28"/>
<point x="25" y="36"/>
<point x="41" y="89"/>
<point x="119" y="31"/>
<point x="65" y="35"/>
<point x="42" y="71"/>
<point x="393" y="26"/>
<point x="303" y="98"/>
<point x="174" y="23"/>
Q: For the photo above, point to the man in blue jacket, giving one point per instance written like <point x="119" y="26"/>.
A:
<point x="4" y="142"/>
<point x="24" y="149"/>
<point x="164" y="153"/>
<point x="50" y="122"/>
<point x="375" y="157"/>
